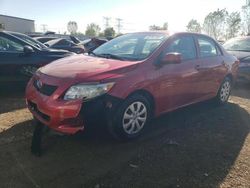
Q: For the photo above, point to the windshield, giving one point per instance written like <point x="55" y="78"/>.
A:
<point x="131" y="46"/>
<point x="30" y="40"/>
<point x="60" y="42"/>
<point x="238" y="44"/>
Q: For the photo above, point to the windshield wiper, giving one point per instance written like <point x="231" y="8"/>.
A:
<point x="110" y="56"/>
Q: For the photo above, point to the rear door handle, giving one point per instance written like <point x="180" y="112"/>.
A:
<point x="200" y="68"/>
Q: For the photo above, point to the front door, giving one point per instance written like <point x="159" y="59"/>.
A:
<point x="178" y="82"/>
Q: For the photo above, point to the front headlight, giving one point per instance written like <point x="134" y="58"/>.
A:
<point x="87" y="91"/>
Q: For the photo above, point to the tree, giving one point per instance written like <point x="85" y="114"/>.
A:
<point x="109" y="32"/>
<point x="156" y="27"/>
<point x="92" y="30"/>
<point x="72" y="27"/>
<point x="194" y="26"/>
<point x="246" y="17"/>
<point x="233" y="25"/>
<point x="215" y="22"/>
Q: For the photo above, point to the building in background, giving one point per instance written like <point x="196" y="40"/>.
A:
<point x="16" y="24"/>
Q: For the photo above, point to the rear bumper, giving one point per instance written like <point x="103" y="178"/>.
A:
<point x="68" y="117"/>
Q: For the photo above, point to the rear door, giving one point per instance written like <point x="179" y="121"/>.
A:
<point x="211" y="66"/>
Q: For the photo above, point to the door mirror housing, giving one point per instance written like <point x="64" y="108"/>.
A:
<point x="171" y="58"/>
<point x="28" y="49"/>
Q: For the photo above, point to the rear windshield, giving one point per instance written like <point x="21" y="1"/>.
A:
<point x="238" y="44"/>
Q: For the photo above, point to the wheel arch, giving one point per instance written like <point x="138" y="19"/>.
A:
<point x="147" y="95"/>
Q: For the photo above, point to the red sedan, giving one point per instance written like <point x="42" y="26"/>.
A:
<point x="129" y="80"/>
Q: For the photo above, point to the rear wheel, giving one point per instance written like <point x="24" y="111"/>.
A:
<point x="224" y="91"/>
<point x="131" y="118"/>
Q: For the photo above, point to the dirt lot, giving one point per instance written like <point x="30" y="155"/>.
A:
<point x="200" y="146"/>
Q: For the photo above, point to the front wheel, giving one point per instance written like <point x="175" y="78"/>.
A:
<point x="224" y="91"/>
<point x="131" y="118"/>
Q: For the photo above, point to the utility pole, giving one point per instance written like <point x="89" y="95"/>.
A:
<point x="44" y="27"/>
<point x="119" y="25"/>
<point x="106" y="22"/>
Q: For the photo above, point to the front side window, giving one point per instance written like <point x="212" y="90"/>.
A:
<point x="7" y="45"/>
<point x="29" y="40"/>
<point x="136" y="46"/>
<point x="207" y="48"/>
<point x="185" y="46"/>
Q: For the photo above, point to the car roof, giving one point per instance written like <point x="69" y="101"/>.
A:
<point x="168" y="33"/>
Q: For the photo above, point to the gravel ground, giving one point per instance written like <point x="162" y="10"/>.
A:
<point x="203" y="145"/>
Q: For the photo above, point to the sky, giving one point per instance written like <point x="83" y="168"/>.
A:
<point x="136" y="15"/>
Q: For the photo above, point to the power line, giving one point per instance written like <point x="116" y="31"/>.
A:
<point x="44" y="27"/>
<point x="106" y="22"/>
<point x="119" y="25"/>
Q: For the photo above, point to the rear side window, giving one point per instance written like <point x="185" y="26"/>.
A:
<point x="207" y="48"/>
<point x="185" y="46"/>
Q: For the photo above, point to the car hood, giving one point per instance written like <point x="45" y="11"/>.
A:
<point x="85" y="67"/>
<point x="240" y="54"/>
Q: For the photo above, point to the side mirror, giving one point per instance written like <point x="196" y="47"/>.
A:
<point x="171" y="58"/>
<point x="28" y="49"/>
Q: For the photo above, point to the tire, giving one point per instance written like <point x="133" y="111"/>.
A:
<point x="130" y="118"/>
<point x="224" y="91"/>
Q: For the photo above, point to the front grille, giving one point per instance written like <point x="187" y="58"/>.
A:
<point x="45" y="88"/>
<point x="34" y="108"/>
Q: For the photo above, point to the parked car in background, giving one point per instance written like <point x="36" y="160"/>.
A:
<point x="93" y="43"/>
<point x="129" y="80"/>
<point x="44" y="39"/>
<point x="20" y="56"/>
<point x="65" y="44"/>
<point x="240" y="47"/>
